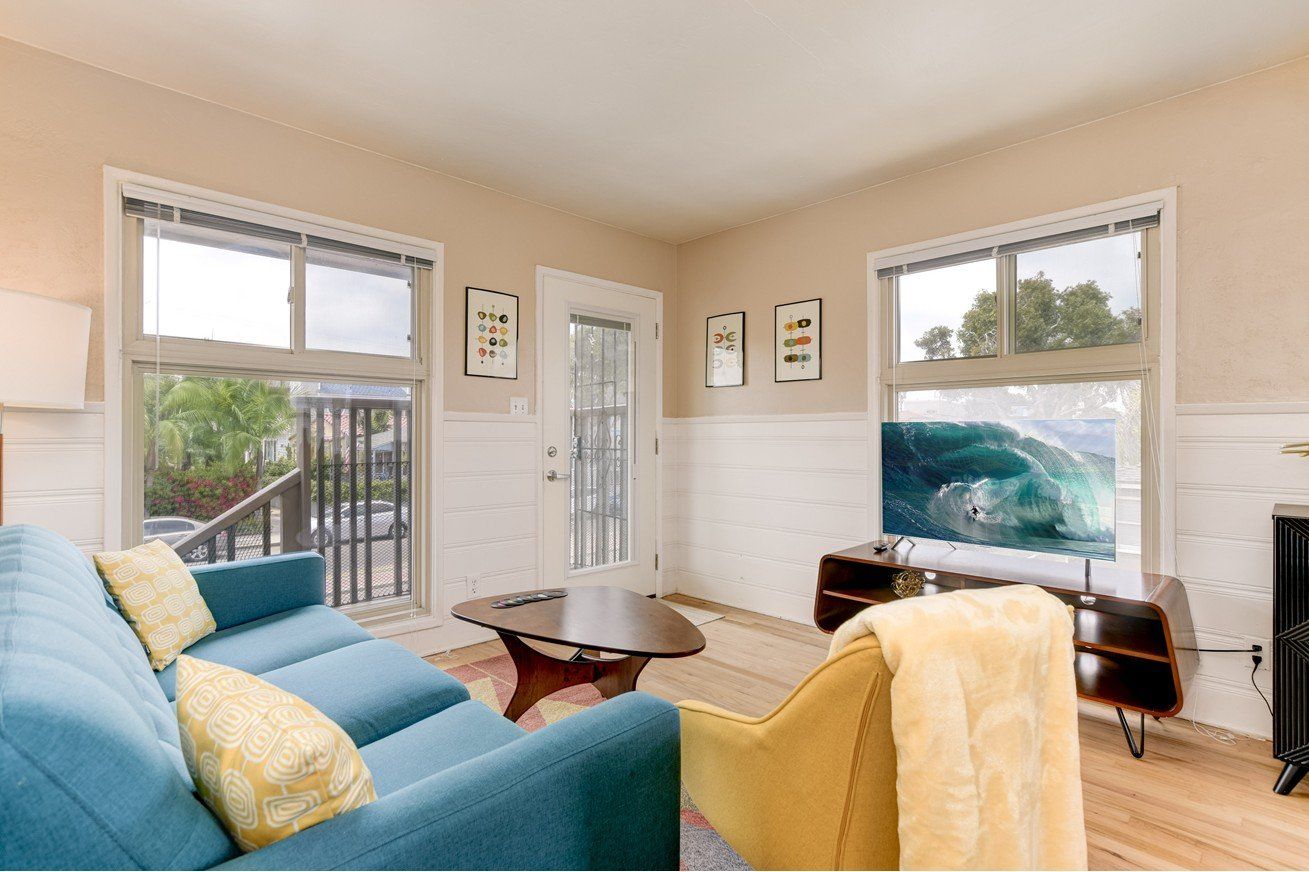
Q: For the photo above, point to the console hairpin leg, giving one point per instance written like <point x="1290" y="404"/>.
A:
<point x="1138" y="751"/>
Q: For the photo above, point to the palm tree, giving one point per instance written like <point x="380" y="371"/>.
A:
<point x="226" y="420"/>
<point x="164" y="440"/>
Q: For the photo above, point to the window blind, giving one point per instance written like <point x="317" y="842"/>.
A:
<point x="158" y="211"/>
<point x="1015" y="243"/>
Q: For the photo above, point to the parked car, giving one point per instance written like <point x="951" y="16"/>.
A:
<point x="383" y="520"/>
<point x="171" y="530"/>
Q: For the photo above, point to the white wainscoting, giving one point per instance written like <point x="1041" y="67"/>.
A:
<point x="753" y="502"/>
<point x="489" y="516"/>
<point x="55" y="472"/>
<point x="1229" y="475"/>
<point x="749" y="506"/>
<point x="54" y="477"/>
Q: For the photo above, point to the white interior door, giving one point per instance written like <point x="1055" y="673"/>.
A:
<point x="600" y="386"/>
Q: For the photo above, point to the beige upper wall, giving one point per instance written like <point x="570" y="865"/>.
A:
<point x="1238" y="154"/>
<point x="61" y="122"/>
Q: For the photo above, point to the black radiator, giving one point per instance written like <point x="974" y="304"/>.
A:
<point x="1291" y="643"/>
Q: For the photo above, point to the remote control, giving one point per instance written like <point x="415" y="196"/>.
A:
<point x="542" y="596"/>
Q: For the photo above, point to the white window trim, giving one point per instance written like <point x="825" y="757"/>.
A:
<point x="429" y="608"/>
<point x="1166" y="551"/>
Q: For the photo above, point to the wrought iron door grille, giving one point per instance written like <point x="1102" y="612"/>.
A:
<point x="599" y="382"/>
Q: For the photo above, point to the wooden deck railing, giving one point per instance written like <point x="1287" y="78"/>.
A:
<point x="252" y="519"/>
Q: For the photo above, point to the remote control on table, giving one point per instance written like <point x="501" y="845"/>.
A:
<point x="542" y="596"/>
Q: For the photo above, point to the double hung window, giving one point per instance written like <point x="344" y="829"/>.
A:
<point x="276" y="376"/>
<point x="1060" y="322"/>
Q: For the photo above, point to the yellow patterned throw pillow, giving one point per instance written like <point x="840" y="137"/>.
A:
<point x="159" y="598"/>
<point x="268" y="763"/>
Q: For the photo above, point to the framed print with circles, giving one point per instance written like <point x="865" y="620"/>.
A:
<point x="490" y="334"/>
<point x="798" y="341"/>
<point x="724" y="352"/>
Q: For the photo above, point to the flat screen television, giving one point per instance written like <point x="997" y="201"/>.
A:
<point x="1032" y="485"/>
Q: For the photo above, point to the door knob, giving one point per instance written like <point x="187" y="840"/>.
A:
<point x="551" y="475"/>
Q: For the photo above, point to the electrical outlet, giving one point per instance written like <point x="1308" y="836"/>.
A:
<point x="1266" y="653"/>
<point x="518" y="405"/>
<point x="473" y="584"/>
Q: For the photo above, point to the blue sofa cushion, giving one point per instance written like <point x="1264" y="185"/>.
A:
<point x="371" y="689"/>
<point x="434" y="744"/>
<point x="597" y="790"/>
<point x="247" y="590"/>
<point x="272" y="642"/>
<point x="87" y="738"/>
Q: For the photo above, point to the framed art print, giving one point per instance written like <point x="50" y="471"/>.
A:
<point x="490" y="334"/>
<point x="798" y="341"/>
<point x="724" y="350"/>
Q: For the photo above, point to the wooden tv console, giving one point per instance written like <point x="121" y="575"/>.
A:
<point x="1132" y="631"/>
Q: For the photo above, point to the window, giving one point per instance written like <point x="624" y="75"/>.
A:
<point x="1057" y="323"/>
<point x="202" y="284"/>
<point x="1082" y="295"/>
<point x="1119" y="399"/>
<point x="278" y="372"/>
<point x="948" y="312"/>
<point x="357" y="304"/>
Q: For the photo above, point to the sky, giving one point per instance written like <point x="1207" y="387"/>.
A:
<point x="206" y="292"/>
<point x="942" y="296"/>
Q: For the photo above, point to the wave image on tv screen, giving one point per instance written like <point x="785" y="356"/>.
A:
<point x="1034" y="485"/>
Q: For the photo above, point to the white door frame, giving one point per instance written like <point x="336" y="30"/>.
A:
<point x="542" y="272"/>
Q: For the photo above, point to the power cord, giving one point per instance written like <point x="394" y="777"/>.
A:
<point x="1257" y="660"/>
<point x="1253" y="650"/>
<point x="1221" y="736"/>
<point x="1256" y="657"/>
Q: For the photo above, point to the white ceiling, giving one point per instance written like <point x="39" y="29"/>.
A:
<point x="674" y="118"/>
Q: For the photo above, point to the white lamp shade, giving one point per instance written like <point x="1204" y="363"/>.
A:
<point x="43" y="346"/>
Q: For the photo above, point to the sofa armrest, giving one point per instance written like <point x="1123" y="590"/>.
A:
<point x="598" y="790"/>
<point x="245" y="590"/>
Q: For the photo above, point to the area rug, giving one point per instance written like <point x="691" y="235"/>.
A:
<point x="696" y="616"/>
<point x="491" y="681"/>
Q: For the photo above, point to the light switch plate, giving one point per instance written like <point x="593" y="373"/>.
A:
<point x="518" y="405"/>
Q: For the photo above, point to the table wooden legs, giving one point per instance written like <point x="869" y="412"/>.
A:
<point x="540" y="675"/>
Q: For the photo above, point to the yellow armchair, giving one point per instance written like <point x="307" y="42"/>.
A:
<point x="811" y="785"/>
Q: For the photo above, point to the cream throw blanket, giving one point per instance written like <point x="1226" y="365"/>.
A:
<point x="984" y="716"/>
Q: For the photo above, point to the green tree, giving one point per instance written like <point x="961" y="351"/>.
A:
<point x="1037" y="313"/>
<point x="224" y="421"/>
<point x="936" y="343"/>
<point x="977" y="332"/>
<point x="1046" y="318"/>
<point x="164" y="441"/>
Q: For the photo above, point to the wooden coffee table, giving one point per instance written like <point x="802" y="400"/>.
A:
<point x="592" y="619"/>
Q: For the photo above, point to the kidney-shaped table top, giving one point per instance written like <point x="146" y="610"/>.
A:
<point x="612" y="619"/>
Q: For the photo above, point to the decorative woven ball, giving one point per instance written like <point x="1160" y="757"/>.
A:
<point x="907" y="582"/>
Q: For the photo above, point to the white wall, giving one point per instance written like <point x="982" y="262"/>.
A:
<point x="54" y="472"/>
<point x="1229" y="475"/>
<point x="757" y="500"/>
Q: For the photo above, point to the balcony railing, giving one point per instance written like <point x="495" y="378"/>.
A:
<point x="247" y="528"/>
<point x="360" y="484"/>
<point x="349" y="500"/>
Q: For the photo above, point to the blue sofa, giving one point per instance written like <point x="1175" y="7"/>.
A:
<point x="92" y="776"/>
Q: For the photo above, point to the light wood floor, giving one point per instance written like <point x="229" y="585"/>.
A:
<point x="1191" y="803"/>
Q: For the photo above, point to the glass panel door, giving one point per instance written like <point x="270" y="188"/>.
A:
<point x="600" y="394"/>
